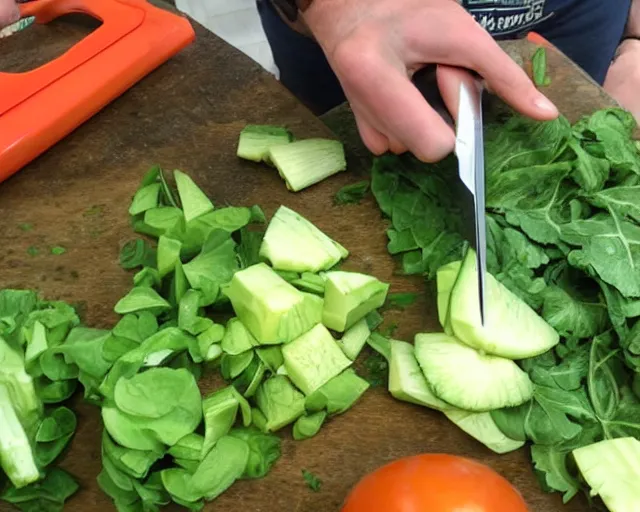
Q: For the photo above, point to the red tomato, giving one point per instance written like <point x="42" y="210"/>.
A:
<point x="434" y="483"/>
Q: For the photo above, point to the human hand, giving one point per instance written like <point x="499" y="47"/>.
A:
<point x="9" y="12"/>
<point x="623" y="78"/>
<point x="374" y="47"/>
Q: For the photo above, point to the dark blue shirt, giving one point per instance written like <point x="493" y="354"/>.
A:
<point x="587" y="31"/>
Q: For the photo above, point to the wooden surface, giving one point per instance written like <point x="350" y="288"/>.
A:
<point x="187" y="115"/>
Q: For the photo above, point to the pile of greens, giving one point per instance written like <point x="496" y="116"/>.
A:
<point x="563" y="213"/>
<point x="206" y="305"/>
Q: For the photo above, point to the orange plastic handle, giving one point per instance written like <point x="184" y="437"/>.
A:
<point x="535" y="38"/>
<point x="40" y="107"/>
<point x="118" y="20"/>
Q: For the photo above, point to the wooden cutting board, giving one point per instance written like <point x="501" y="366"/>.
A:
<point x="187" y="115"/>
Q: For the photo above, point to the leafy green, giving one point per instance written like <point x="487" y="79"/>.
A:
<point x="47" y="495"/>
<point x="352" y="194"/>
<point x="312" y="481"/>
<point x="539" y="64"/>
<point x="563" y="234"/>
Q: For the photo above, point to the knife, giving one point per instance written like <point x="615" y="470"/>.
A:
<point x="19" y="25"/>
<point x="469" y="149"/>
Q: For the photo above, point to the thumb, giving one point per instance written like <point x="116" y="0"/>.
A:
<point x="9" y="13"/>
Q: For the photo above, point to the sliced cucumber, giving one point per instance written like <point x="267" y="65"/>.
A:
<point x="512" y="329"/>
<point x="406" y="381"/>
<point x="306" y="162"/>
<point x="481" y="427"/>
<point x="612" y="470"/>
<point x="445" y="279"/>
<point x="292" y="243"/>
<point x="256" y="140"/>
<point x="349" y="296"/>
<point x="467" y="379"/>
<point x="313" y="359"/>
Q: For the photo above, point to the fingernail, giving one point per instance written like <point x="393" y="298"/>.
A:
<point x="544" y="104"/>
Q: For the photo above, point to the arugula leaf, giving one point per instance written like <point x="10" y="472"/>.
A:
<point x="551" y="463"/>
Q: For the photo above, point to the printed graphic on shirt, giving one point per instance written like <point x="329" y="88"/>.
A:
<point x="504" y="17"/>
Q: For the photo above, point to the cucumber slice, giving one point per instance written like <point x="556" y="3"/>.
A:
<point x="292" y="243"/>
<point x="467" y="379"/>
<point x="270" y="308"/>
<point x="612" y="470"/>
<point x="406" y="381"/>
<point x="445" y="279"/>
<point x="349" y="296"/>
<point x="256" y="140"/>
<point x="306" y="162"/>
<point x="354" y="339"/>
<point x="313" y="359"/>
<point x="481" y="427"/>
<point x="512" y="329"/>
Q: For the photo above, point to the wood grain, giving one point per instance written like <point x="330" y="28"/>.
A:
<point x="187" y="115"/>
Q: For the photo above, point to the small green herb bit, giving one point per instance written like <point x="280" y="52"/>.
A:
<point x="539" y="63"/>
<point x="33" y="251"/>
<point x="312" y="481"/>
<point x="26" y="226"/>
<point x="57" y="250"/>
<point x="352" y="194"/>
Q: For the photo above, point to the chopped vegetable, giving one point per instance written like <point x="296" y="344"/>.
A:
<point x="339" y="394"/>
<point x="272" y="309"/>
<point x="193" y="200"/>
<point x="256" y="140"/>
<point x="350" y="296"/>
<point x="467" y="379"/>
<point x="306" y="162"/>
<point x="292" y="243"/>
<point x="528" y="336"/>
<point x="308" y="425"/>
<point x="354" y="339"/>
<point x="352" y="194"/>
<point x="480" y="425"/>
<point x="312" y="481"/>
<point x="401" y="300"/>
<point x="279" y="402"/>
<point x="57" y="250"/>
<point x="313" y="359"/>
<point x="611" y="469"/>
<point x="539" y="65"/>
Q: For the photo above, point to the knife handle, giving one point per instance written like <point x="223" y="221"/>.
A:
<point x="426" y="81"/>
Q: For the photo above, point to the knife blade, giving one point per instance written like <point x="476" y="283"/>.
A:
<point x="19" y="25"/>
<point x="469" y="149"/>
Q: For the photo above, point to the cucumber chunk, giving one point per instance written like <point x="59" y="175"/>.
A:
<point x="406" y="381"/>
<point x="313" y="359"/>
<point x="256" y="140"/>
<point x="612" y="470"/>
<point x="467" y="379"/>
<point x="292" y="243"/>
<point x="481" y="427"/>
<point x="445" y="280"/>
<point x="271" y="309"/>
<point x="512" y="329"/>
<point x="354" y="339"/>
<point x="306" y="162"/>
<point x="349" y="296"/>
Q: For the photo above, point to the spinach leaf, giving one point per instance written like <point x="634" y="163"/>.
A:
<point x="264" y="450"/>
<point x="352" y="194"/>
<point x="47" y="495"/>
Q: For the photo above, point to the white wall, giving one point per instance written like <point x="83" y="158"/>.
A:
<point x="235" y="21"/>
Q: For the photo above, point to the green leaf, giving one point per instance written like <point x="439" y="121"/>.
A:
<point x="610" y="246"/>
<point x="352" y="194"/>
<point x="312" y="481"/>
<point x="145" y="198"/>
<point x="194" y="201"/>
<point x="552" y="464"/>
<point x="264" y="451"/>
<point x="539" y="64"/>
<point x="139" y="299"/>
<point x="47" y="495"/>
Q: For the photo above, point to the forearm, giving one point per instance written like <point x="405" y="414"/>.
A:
<point x="633" y="23"/>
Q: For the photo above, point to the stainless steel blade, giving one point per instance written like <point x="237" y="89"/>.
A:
<point x="470" y="152"/>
